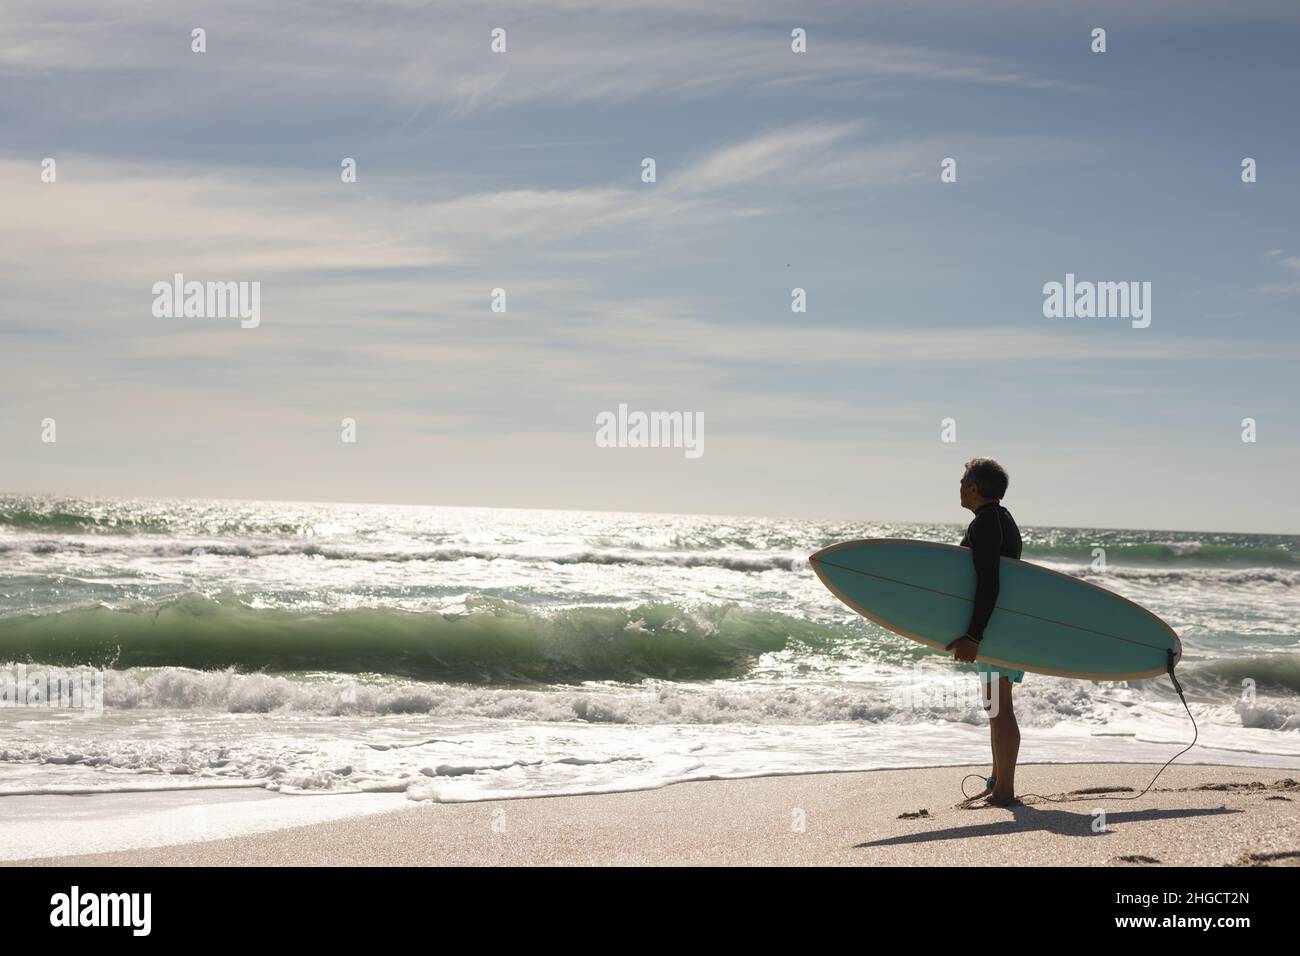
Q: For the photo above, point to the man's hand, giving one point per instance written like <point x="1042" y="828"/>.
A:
<point x="964" y="648"/>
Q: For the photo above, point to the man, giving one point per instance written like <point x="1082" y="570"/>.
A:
<point x="991" y="536"/>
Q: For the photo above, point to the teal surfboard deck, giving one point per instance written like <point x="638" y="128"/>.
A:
<point x="1044" y="622"/>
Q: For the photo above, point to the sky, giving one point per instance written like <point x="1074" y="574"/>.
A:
<point x="774" y="170"/>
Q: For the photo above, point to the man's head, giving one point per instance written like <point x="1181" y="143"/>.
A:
<point x="983" y="480"/>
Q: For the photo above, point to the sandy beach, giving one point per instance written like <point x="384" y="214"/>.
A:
<point x="1195" y="816"/>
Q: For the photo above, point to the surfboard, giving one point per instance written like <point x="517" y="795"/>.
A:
<point x="1044" y="621"/>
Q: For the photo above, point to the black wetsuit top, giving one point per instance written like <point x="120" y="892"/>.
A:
<point x="990" y="536"/>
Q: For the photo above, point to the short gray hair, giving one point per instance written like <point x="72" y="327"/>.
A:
<point x="990" y="478"/>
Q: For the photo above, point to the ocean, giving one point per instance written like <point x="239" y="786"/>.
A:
<point x="460" y="654"/>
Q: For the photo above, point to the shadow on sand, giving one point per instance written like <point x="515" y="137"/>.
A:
<point x="1034" y="818"/>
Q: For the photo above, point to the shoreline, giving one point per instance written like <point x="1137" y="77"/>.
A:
<point x="1196" y="815"/>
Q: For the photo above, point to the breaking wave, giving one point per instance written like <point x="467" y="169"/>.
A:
<point x="493" y="642"/>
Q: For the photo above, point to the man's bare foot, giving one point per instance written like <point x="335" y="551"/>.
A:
<point x="979" y="796"/>
<point x="1003" y="800"/>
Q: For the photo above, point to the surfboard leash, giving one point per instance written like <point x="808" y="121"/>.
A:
<point x="1169" y="666"/>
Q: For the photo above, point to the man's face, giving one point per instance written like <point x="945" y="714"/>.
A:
<point x="968" y="492"/>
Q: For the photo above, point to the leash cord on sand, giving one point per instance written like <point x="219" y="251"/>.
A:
<point x="1195" y="734"/>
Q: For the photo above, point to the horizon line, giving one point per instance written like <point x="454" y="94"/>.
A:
<point x="5" y="493"/>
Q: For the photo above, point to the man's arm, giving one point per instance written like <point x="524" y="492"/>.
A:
<point x="986" y="553"/>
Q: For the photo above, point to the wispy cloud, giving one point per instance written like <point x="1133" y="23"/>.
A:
<point x="414" y="54"/>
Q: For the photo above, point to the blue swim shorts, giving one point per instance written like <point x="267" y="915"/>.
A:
<point x="986" y="669"/>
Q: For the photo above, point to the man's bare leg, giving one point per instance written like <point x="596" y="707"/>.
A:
<point x="1005" y="733"/>
<point x="986" y="688"/>
<point x="994" y="726"/>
